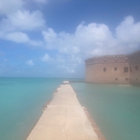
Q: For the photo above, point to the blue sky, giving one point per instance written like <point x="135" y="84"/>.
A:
<point x="52" y="38"/>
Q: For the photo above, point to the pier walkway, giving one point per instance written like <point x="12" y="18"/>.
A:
<point x="63" y="119"/>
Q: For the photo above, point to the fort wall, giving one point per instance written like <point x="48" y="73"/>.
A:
<point x="134" y="63"/>
<point x="117" y="69"/>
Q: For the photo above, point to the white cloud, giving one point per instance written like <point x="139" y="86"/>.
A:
<point x="76" y="59"/>
<point x="48" y="1"/>
<point x="41" y="1"/>
<point x="18" y="37"/>
<point x="30" y="62"/>
<point x="18" y="21"/>
<point x="23" y="20"/>
<point x="66" y="68"/>
<point x="128" y="32"/>
<point x="35" y="43"/>
<point x="84" y="40"/>
<point x="66" y="64"/>
<point x="70" y="70"/>
<point x="64" y="42"/>
<point x="9" y="6"/>
<point x="45" y="58"/>
<point x="95" y="39"/>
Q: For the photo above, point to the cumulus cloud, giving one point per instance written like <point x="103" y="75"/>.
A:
<point x="26" y="20"/>
<point x="17" y="22"/>
<point x="48" y="1"/>
<point x="70" y="70"/>
<point x="96" y="39"/>
<point x="41" y="1"/>
<point x="128" y="32"/>
<point x="36" y="43"/>
<point x="9" y="6"/>
<point x="84" y="40"/>
<point x="23" y="20"/>
<point x="45" y="58"/>
<point x="30" y="62"/>
<point x="18" y="37"/>
<point x="67" y="68"/>
<point x="64" y="42"/>
<point x="60" y="59"/>
<point x="14" y="26"/>
<point x="70" y="65"/>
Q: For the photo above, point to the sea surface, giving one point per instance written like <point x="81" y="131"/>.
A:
<point x="21" y="104"/>
<point x="115" y="108"/>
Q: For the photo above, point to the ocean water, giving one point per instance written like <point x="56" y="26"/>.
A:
<point x="115" y="108"/>
<point x="21" y="104"/>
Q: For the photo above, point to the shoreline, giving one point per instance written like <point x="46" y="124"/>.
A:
<point x="43" y="109"/>
<point x="46" y="105"/>
<point x="93" y="124"/>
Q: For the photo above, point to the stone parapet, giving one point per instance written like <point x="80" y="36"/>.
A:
<point x="107" y="59"/>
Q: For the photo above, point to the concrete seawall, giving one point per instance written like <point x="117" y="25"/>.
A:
<point x="63" y="119"/>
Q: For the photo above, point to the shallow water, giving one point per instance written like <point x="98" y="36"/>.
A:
<point x="21" y="104"/>
<point x="115" y="108"/>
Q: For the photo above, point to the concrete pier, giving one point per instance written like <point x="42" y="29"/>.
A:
<point x="63" y="119"/>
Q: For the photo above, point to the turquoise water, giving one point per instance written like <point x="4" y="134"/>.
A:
<point x="115" y="109"/>
<point x="21" y="104"/>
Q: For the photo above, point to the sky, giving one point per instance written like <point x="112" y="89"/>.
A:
<point x="52" y="38"/>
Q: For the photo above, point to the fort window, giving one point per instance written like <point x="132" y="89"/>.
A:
<point x="136" y="67"/>
<point x="130" y="69"/>
<point x="115" y="69"/>
<point x="126" y="79"/>
<point x="125" y="69"/>
<point x="104" y="69"/>
<point x="116" y="79"/>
